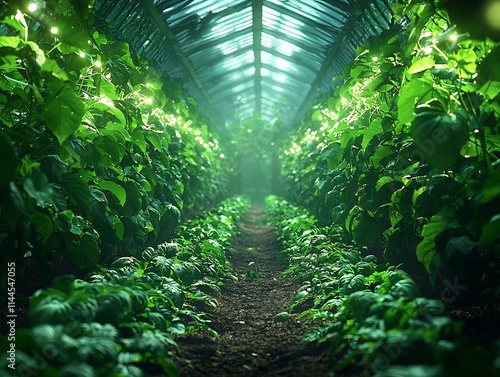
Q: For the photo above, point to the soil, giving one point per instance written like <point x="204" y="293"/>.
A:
<point x="251" y="342"/>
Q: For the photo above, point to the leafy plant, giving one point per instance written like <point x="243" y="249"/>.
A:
<point x="400" y="154"/>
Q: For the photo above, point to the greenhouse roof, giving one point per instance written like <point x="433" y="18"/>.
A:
<point x="241" y="58"/>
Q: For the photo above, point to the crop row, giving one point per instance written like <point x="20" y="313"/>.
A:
<point x="102" y="154"/>
<point x="124" y="319"/>
<point x="404" y="156"/>
<point x="372" y="314"/>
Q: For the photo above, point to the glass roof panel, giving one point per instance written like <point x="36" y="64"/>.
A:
<point x="239" y="56"/>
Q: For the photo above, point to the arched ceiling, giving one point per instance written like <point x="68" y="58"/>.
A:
<point x="241" y="58"/>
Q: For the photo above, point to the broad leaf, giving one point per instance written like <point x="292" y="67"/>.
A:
<point x="84" y="251"/>
<point x="63" y="113"/>
<point x="43" y="223"/>
<point x="427" y="253"/>
<point x="419" y="91"/>
<point x="114" y="188"/>
<point x="439" y="136"/>
<point x="78" y="189"/>
<point x="421" y="64"/>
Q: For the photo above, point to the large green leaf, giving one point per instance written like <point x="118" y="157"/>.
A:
<point x="439" y="136"/>
<point x="37" y="186"/>
<point x="134" y="199"/>
<point x="43" y="223"/>
<point x="427" y="253"/>
<point x="421" y="64"/>
<point x="84" y="251"/>
<point x="53" y="68"/>
<point x="419" y="91"/>
<point x="78" y="189"/>
<point x="63" y="113"/>
<point x="114" y="188"/>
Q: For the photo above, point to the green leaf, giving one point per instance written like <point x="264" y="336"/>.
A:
<point x="375" y="128"/>
<point x="427" y="253"/>
<point x="78" y="189"/>
<point x="177" y="328"/>
<point x="84" y="251"/>
<point x="359" y="303"/>
<point x="406" y="289"/>
<point x="63" y="113"/>
<point x="37" y="186"/>
<point x="52" y="310"/>
<point x="282" y="317"/>
<point x="419" y="91"/>
<point x="43" y="223"/>
<point x="71" y="31"/>
<point x="10" y="162"/>
<point x="133" y="203"/>
<point x="53" y="68"/>
<point x="490" y="232"/>
<point x="383" y="181"/>
<point x="155" y="140"/>
<point x="114" y="188"/>
<point x="117" y="225"/>
<point x="421" y="64"/>
<point x="6" y="41"/>
<point x="138" y="137"/>
<point x="490" y="90"/>
<point x="439" y="136"/>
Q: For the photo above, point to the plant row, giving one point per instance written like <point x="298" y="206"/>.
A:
<point x="123" y="320"/>
<point x="100" y="153"/>
<point x="404" y="156"/>
<point x="371" y="314"/>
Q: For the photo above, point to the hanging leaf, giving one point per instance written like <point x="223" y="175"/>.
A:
<point x="50" y="66"/>
<point x="84" y="251"/>
<point x="63" y="113"/>
<point x="439" y="136"/>
<point x="114" y="188"/>
<point x="133" y="203"/>
<point x="78" y="189"/>
<point x="419" y="91"/>
<point x="421" y="64"/>
<point x="427" y="252"/>
<point x="43" y="223"/>
<point x="490" y="232"/>
<point x="37" y="186"/>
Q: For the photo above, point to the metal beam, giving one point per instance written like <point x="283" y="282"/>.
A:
<point x="356" y="14"/>
<point x="170" y="37"/>
<point x="257" y="50"/>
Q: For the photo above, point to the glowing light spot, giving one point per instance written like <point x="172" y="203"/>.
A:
<point x="222" y="155"/>
<point x="81" y="54"/>
<point x="492" y="14"/>
<point x="54" y="30"/>
<point x="375" y="58"/>
<point x="149" y="101"/>
<point x="33" y="7"/>
<point x="98" y="64"/>
<point x="453" y="37"/>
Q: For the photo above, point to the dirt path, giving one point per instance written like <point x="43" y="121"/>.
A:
<point x="252" y="343"/>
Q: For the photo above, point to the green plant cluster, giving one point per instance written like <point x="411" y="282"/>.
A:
<point x="100" y="152"/>
<point x="372" y="315"/>
<point x="404" y="156"/>
<point x="123" y="319"/>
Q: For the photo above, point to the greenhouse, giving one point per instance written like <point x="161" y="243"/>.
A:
<point x="250" y="188"/>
